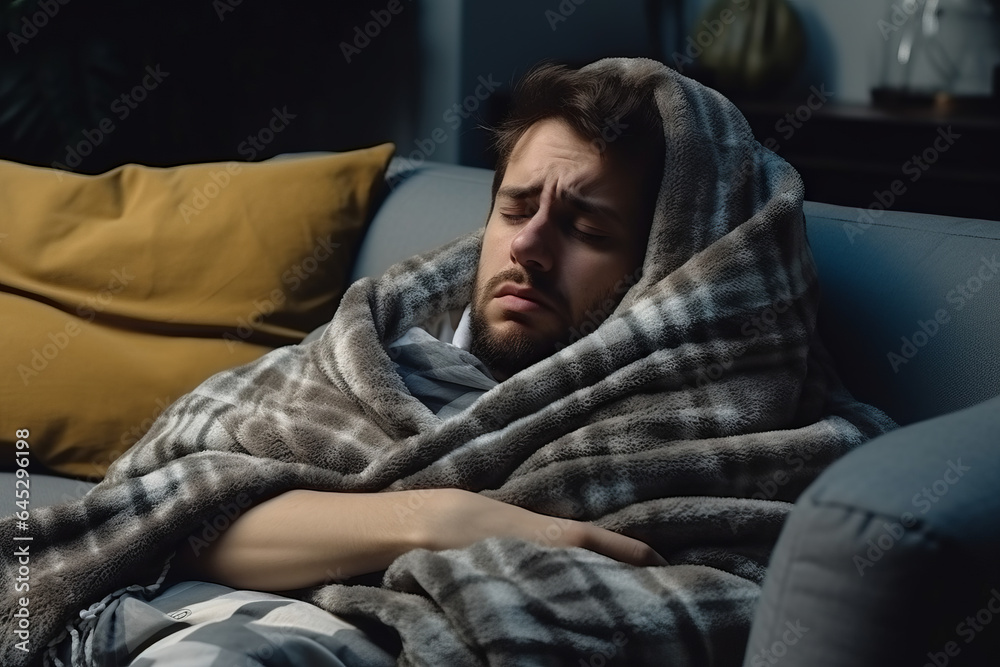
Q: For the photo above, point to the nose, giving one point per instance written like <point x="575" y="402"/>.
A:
<point x="533" y="245"/>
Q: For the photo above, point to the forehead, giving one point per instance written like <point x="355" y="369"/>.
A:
<point x="557" y="173"/>
<point x="551" y="148"/>
<point x="551" y="157"/>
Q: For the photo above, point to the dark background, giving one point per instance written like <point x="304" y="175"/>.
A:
<point x="227" y="71"/>
<point x="230" y="66"/>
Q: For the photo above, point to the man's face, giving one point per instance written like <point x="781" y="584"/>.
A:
<point x="566" y="236"/>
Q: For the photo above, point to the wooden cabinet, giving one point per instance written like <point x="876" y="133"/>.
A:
<point x="926" y="161"/>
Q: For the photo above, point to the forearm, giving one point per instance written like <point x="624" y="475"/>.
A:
<point x="303" y="538"/>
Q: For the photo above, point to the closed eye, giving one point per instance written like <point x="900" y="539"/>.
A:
<point x="584" y="235"/>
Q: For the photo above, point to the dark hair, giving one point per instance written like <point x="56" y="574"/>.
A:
<point x="614" y="115"/>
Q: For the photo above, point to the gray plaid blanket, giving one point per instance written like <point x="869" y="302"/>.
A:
<point x="200" y="624"/>
<point x="442" y="376"/>
<point x="691" y="418"/>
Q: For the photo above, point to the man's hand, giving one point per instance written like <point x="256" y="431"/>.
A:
<point x="304" y="538"/>
<point x="458" y="518"/>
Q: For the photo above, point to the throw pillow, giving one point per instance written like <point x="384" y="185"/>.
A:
<point x="125" y="290"/>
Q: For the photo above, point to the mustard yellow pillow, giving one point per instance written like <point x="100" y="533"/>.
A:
<point x="123" y="291"/>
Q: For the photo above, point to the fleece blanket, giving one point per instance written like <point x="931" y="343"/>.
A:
<point x="690" y="419"/>
<point x="201" y="624"/>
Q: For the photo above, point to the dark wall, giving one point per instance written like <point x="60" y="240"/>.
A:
<point x="169" y="83"/>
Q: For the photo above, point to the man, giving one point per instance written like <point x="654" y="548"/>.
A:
<point x="573" y="198"/>
<point x="471" y="465"/>
<point x="569" y="222"/>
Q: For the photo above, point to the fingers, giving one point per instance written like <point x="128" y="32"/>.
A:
<point x="620" y="547"/>
<point x="463" y="517"/>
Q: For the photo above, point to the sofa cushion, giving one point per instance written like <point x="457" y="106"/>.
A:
<point x="426" y="207"/>
<point x="889" y="552"/>
<point x="909" y="306"/>
<point x="123" y="291"/>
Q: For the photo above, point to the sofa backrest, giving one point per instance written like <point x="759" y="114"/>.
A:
<point x="910" y="306"/>
<point x="910" y="303"/>
<point x="423" y="208"/>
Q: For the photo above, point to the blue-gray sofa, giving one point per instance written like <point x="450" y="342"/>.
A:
<point x="892" y="557"/>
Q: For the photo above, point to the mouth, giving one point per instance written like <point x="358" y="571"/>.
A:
<point x="521" y="299"/>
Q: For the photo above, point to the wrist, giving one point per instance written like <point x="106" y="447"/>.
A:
<point x="426" y="514"/>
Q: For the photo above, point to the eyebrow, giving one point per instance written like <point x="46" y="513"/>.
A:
<point x="580" y="203"/>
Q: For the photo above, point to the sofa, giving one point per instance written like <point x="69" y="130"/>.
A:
<point x="910" y="310"/>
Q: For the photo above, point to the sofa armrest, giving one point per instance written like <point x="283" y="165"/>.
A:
<point x="43" y="490"/>
<point x="892" y="556"/>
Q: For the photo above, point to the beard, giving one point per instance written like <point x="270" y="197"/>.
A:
<point x="504" y="353"/>
<point x="508" y="352"/>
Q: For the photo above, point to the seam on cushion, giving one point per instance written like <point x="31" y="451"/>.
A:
<point x="929" y="536"/>
<point x="872" y="514"/>
<point x="818" y="217"/>
<point x="840" y="504"/>
<point x="951" y="550"/>
<point x="793" y="551"/>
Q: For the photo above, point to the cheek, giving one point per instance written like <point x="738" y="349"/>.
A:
<point x="595" y="282"/>
<point x="494" y="253"/>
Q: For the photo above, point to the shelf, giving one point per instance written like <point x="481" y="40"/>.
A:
<point x="847" y="153"/>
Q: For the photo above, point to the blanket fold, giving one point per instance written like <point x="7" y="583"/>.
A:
<point x="691" y="418"/>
